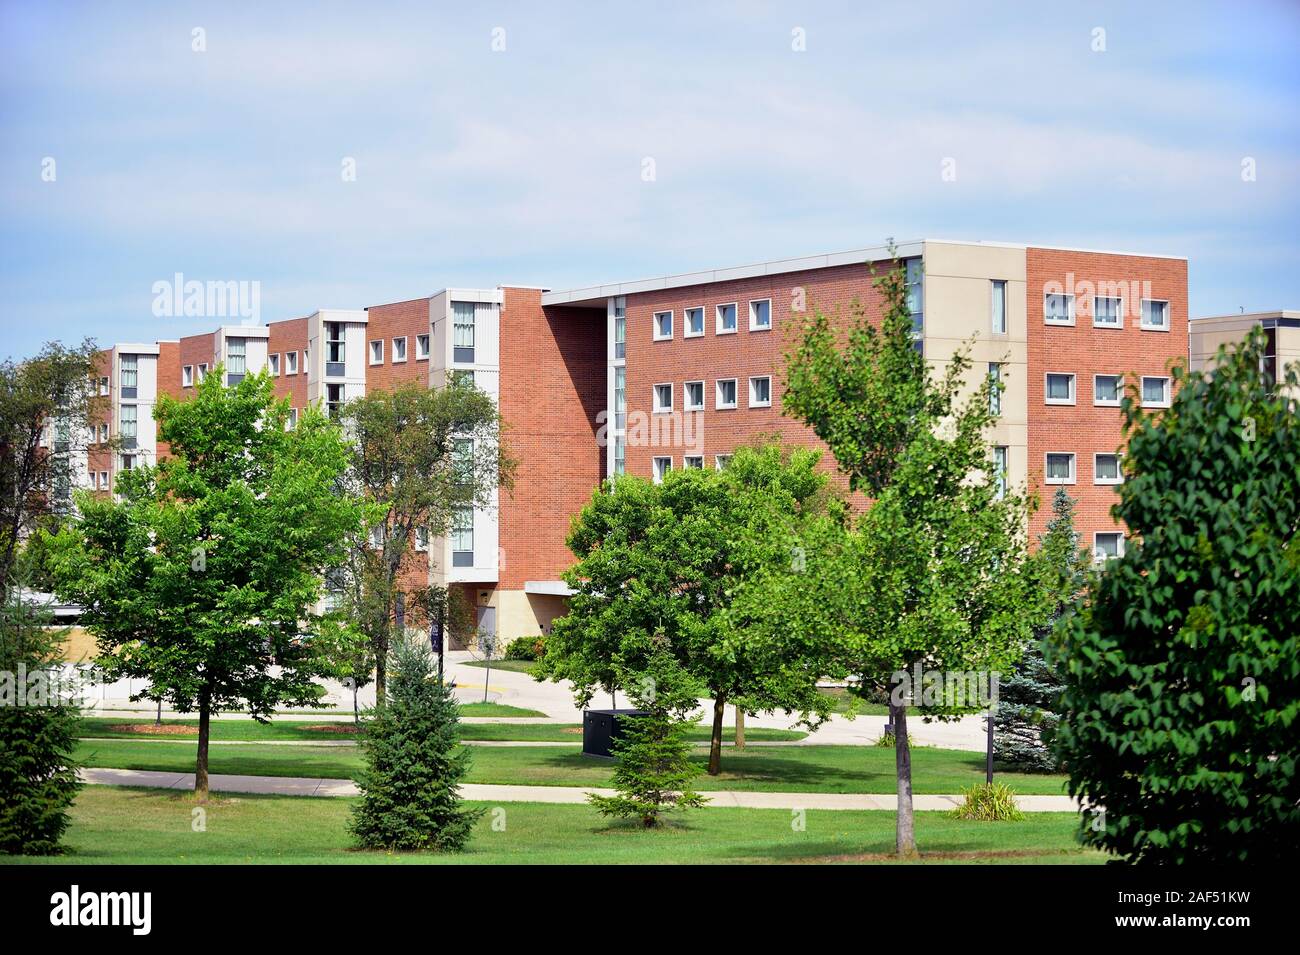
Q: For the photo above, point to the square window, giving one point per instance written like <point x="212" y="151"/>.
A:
<point x="1105" y="469"/>
<point x="1155" y="315"/>
<point x="760" y="315"/>
<point x="1107" y="312"/>
<point x="421" y="347"/>
<point x="273" y="365"/>
<point x="694" y="320"/>
<point x="720" y="461"/>
<point x="291" y="363"/>
<point x="1058" y="309"/>
<point x="661" y="468"/>
<point x="695" y="461"/>
<point x="726" y="394"/>
<point x="377" y="352"/>
<point x="663" y="326"/>
<point x="1059" y="388"/>
<point x="694" y="396"/>
<point x="187" y="376"/>
<point x="399" y="349"/>
<point x="998" y="316"/>
<point x="1060" y="468"/>
<point x="1106" y="389"/>
<point x="726" y="319"/>
<point x="1155" y="392"/>
<point x="663" y="398"/>
<point x="1107" y="545"/>
<point x="760" y="392"/>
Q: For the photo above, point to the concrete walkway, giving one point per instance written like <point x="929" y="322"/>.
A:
<point x="560" y="795"/>
<point x="507" y="743"/>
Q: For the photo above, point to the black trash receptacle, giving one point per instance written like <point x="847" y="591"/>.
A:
<point x="601" y="727"/>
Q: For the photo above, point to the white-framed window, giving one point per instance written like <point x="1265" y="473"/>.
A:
<point x="693" y="322"/>
<point x="336" y="347"/>
<point x="128" y="462"/>
<point x="462" y="534"/>
<point x="760" y="315"/>
<point x="620" y="398"/>
<point x="187" y="376"/>
<point x="377" y="352"/>
<point x="103" y="481"/>
<point x="399" y="349"/>
<point x="291" y="363"/>
<point x="661" y="467"/>
<point x="273" y="365"/>
<point x="720" y="461"/>
<point x="1106" y="470"/>
<point x="1155" y="391"/>
<point x="103" y="432"/>
<point x="695" y="461"/>
<point x="1058" y="309"/>
<point x="422" y="538"/>
<point x="421" y="347"/>
<point x="998" y="312"/>
<point x="1059" y="388"/>
<point x="1000" y="470"/>
<point x="663" y="397"/>
<point x="693" y="396"/>
<point x="620" y="455"/>
<point x="663" y="326"/>
<point x="1155" y="315"/>
<point x="103" y="386"/>
<point x="464" y="321"/>
<point x="1107" y="545"/>
<point x="129" y="373"/>
<point x="760" y="392"/>
<point x="726" y="393"/>
<point x="995" y="388"/>
<point x="126" y="424"/>
<point x="292" y="421"/>
<point x="1107" y="390"/>
<point x="202" y="372"/>
<point x="236" y="356"/>
<point x="1107" y="311"/>
<point x="1059" y="467"/>
<point x="725" y="317"/>
<point x="620" y="329"/>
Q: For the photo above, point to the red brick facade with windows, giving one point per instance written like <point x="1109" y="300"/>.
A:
<point x="1084" y="350"/>
<point x="552" y="390"/>
<point x="739" y="355"/>
<point x="289" y="335"/>
<point x="398" y="320"/>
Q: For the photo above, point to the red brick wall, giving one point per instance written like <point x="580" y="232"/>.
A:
<point x="290" y="335"/>
<point x="552" y="389"/>
<point x="97" y="458"/>
<point x="740" y="356"/>
<point x="196" y="350"/>
<point x="386" y="322"/>
<point x="1084" y="350"/>
<point x="169" y="382"/>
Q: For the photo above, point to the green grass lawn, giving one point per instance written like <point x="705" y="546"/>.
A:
<point x="514" y="666"/>
<point x="149" y="826"/>
<point x="832" y="769"/>
<point x="842" y="701"/>
<point x="312" y="731"/>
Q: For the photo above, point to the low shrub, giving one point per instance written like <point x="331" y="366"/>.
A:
<point x="526" y="648"/>
<point x="988" y="802"/>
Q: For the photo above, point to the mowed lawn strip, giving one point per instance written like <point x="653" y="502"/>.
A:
<point x="312" y="731"/>
<point x="150" y="826"/>
<point x="831" y="769"/>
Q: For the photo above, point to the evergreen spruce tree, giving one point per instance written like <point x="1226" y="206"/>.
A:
<point x="1027" y="712"/>
<point x="38" y="723"/>
<point x="654" y="771"/>
<point x="414" y="761"/>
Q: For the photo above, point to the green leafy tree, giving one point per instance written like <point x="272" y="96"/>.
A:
<point x="47" y="406"/>
<point x="38" y="727"/>
<point x="654" y="772"/>
<point x="201" y="577"/>
<point x="672" y="559"/>
<point x="418" y="456"/>
<point x="1182" y="672"/>
<point x="932" y="578"/>
<point x="1028" y="709"/>
<point x="346" y="655"/>
<point x="410" y="796"/>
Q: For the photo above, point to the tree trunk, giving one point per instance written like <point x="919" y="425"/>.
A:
<point x="715" y="744"/>
<point x="740" y="728"/>
<point x="906" y="833"/>
<point x="356" y="710"/>
<point x="201" y="764"/>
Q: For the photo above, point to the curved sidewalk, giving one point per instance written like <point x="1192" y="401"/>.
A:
<point x="564" y="795"/>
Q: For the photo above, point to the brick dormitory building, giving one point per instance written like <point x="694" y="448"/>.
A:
<point x="645" y="376"/>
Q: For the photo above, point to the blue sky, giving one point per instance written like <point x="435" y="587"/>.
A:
<point x="476" y="167"/>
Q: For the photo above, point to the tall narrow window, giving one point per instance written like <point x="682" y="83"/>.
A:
<point x="620" y="398"/>
<point x="462" y="537"/>
<point x="620" y="329"/>
<point x="236" y="360"/>
<point x="463" y="316"/>
<point x="129" y="378"/>
<point x="620" y="459"/>
<point x="999" y="316"/>
<point x="463" y="460"/>
<point x="995" y="388"/>
<point x="336" y="350"/>
<point x="126" y="429"/>
<point x="1000" y="470"/>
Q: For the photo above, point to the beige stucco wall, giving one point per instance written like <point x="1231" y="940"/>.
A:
<point x="958" y="306"/>
<point x="521" y="614"/>
<point x="1206" y="335"/>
